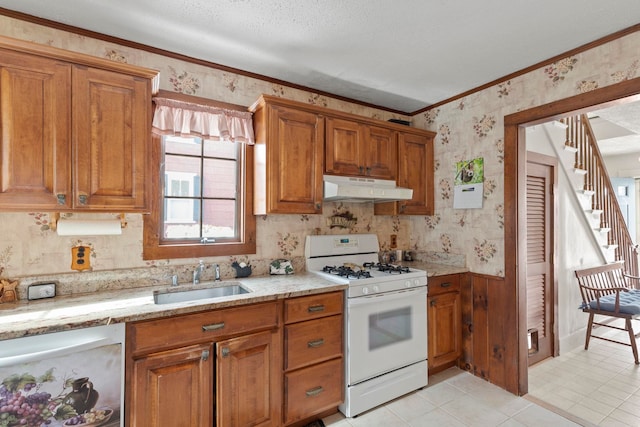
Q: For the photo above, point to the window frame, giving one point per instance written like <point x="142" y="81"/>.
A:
<point x="155" y="249"/>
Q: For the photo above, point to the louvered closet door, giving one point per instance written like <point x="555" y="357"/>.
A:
<point x="540" y="292"/>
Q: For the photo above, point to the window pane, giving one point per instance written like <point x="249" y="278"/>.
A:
<point x="219" y="218"/>
<point x="179" y="145"/>
<point x="182" y="176"/>
<point x="181" y="218"/>
<point x="220" y="178"/>
<point x="220" y="149"/>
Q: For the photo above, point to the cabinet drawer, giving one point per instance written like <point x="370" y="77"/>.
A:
<point x="440" y="284"/>
<point x="311" y="342"/>
<point x="313" y="390"/>
<point x="155" y="335"/>
<point x="312" y="307"/>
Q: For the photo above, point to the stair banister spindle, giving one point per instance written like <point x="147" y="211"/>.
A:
<point x="597" y="179"/>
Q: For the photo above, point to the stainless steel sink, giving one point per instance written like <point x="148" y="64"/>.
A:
<point x="172" y="296"/>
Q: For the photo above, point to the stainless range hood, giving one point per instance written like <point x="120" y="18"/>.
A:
<point x="350" y="189"/>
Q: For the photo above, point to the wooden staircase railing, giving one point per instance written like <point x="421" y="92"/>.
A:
<point x="588" y="157"/>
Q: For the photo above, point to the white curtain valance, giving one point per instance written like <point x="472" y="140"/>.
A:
<point x="173" y="117"/>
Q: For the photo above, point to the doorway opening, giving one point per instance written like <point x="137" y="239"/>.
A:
<point x="515" y="188"/>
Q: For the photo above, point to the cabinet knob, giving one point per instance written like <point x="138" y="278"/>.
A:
<point x="433" y="303"/>
<point x="361" y="170"/>
<point x="83" y="199"/>
<point x="62" y="199"/>
<point x="402" y="207"/>
<point x="368" y="170"/>
<point x="205" y="355"/>
<point x="318" y="206"/>
<point x="225" y="351"/>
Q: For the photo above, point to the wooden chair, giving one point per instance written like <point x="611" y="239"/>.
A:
<point x="606" y="292"/>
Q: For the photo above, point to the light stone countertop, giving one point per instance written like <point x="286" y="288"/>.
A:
<point x="25" y="318"/>
<point x="62" y="313"/>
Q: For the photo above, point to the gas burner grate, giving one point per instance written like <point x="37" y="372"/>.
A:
<point x="347" y="272"/>
<point x="387" y="268"/>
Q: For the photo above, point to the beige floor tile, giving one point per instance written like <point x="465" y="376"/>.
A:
<point x="536" y="416"/>
<point x="471" y="412"/>
<point x="625" y="417"/>
<point x="436" y="418"/>
<point x="410" y="407"/>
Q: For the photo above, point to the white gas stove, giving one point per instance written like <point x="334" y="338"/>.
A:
<point x="385" y="319"/>
<point x="353" y="259"/>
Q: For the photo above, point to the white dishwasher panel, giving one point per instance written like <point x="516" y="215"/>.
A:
<point x="64" y="378"/>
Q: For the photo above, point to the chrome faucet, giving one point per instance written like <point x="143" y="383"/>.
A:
<point x="217" y="270"/>
<point x="197" y="273"/>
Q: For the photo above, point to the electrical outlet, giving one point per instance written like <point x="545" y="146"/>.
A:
<point x="81" y="258"/>
<point x="41" y="290"/>
<point x="393" y="241"/>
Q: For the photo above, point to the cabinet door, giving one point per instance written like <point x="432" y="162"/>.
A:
<point x="295" y="163"/>
<point x="444" y="329"/>
<point x="344" y="152"/>
<point x="249" y="380"/>
<point x="415" y="171"/>
<point x="381" y="153"/>
<point x="173" y="388"/>
<point x="35" y="114"/>
<point x="111" y="114"/>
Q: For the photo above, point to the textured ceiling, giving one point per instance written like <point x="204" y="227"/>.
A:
<point x="399" y="54"/>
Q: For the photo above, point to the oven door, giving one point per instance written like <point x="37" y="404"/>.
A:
<point x="385" y="332"/>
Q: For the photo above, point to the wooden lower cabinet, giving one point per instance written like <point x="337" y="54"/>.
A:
<point x="313" y="357"/>
<point x="444" y="323"/>
<point x="249" y="385"/>
<point x="172" y="388"/>
<point x="223" y="365"/>
<point x="313" y="390"/>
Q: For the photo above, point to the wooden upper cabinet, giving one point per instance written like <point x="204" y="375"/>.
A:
<point x="357" y="149"/>
<point x="415" y="171"/>
<point x="288" y="159"/>
<point x="35" y="115"/>
<point x="110" y="135"/>
<point x="76" y="130"/>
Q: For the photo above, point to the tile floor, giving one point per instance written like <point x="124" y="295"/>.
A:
<point x="598" y="387"/>
<point x="456" y="398"/>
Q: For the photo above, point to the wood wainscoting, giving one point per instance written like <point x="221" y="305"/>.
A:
<point x="489" y="330"/>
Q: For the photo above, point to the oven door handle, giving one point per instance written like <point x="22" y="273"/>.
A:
<point x="389" y="296"/>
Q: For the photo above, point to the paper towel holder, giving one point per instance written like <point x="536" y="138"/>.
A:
<point x="55" y="216"/>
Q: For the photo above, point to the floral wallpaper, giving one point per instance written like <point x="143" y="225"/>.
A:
<point x="466" y="128"/>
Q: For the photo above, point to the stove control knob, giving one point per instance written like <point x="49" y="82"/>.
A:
<point x="407" y="284"/>
<point x="365" y="290"/>
<point x="376" y="288"/>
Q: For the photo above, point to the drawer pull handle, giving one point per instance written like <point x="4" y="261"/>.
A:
<point x="213" y="327"/>
<point x="314" y="391"/>
<point x="315" y="343"/>
<point x="315" y="308"/>
<point x="445" y="284"/>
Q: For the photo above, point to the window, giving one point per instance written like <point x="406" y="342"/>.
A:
<point x="202" y="202"/>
